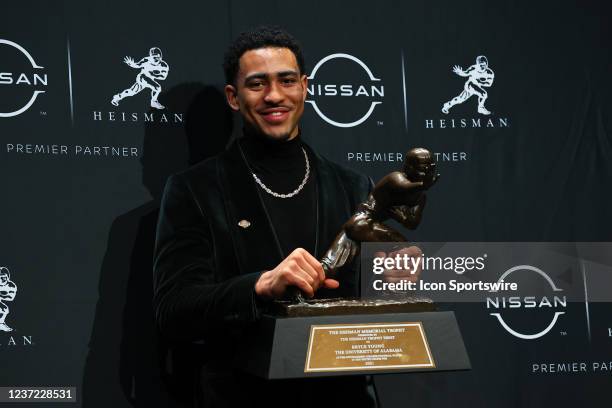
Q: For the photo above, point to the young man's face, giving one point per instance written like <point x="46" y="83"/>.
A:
<point x="270" y="92"/>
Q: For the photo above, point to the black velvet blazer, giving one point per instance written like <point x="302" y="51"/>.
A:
<point x="206" y="265"/>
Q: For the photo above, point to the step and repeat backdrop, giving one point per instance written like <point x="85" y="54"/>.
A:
<point x="512" y="97"/>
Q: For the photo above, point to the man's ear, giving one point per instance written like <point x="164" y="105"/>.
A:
<point x="231" y="94"/>
<point x="304" y="80"/>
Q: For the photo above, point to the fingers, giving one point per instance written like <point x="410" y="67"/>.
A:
<point x="309" y="264"/>
<point x="313" y="276"/>
<point x="397" y="273"/>
<point x="380" y="254"/>
<point x="300" y="269"/>
<point x="412" y="251"/>
<point x="410" y="273"/>
<point x="400" y="278"/>
<point x="309" y="271"/>
<point x="331" y="284"/>
<point x="313" y="262"/>
<point x="300" y="280"/>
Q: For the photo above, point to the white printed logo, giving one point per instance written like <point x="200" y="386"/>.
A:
<point x="9" y="78"/>
<point x="479" y="76"/>
<point x="8" y="291"/>
<point x="528" y="302"/>
<point x="152" y="69"/>
<point x="372" y="92"/>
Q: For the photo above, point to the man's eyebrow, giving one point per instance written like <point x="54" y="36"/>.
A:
<point x="287" y="73"/>
<point x="263" y="75"/>
<point x="257" y="75"/>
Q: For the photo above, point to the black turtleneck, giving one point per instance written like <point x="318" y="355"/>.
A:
<point x="281" y="166"/>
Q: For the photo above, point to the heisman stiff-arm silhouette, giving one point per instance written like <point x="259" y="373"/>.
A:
<point x="479" y="76"/>
<point x="152" y="69"/>
<point x="8" y="291"/>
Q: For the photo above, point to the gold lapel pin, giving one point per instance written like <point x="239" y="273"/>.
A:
<point x="244" y="224"/>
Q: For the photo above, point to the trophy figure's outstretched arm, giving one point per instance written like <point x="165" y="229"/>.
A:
<point x="361" y="227"/>
<point x="341" y="252"/>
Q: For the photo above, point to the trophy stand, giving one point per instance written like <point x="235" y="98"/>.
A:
<point x="347" y="337"/>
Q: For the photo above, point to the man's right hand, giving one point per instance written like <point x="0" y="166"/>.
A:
<point x="299" y="269"/>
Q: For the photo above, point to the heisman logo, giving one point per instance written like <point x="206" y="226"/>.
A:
<point x="479" y="76"/>
<point x="8" y="291"/>
<point x="152" y="69"/>
<point x="371" y="92"/>
<point x="528" y="302"/>
<point x="8" y="78"/>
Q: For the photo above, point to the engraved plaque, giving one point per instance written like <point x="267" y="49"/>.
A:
<point x="369" y="346"/>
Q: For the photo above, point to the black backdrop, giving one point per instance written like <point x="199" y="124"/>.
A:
<point x="78" y="224"/>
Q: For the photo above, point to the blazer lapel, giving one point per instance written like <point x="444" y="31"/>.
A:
<point x="334" y="209"/>
<point x="333" y="204"/>
<point x="255" y="241"/>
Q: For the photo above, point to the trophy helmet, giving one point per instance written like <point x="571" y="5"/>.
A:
<point x="155" y="52"/>
<point x="5" y="272"/>
<point x="482" y="61"/>
<point x="418" y="164"/>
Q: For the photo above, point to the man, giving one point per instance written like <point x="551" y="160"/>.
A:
<point x="479" y="76"/>
<point x="152" y="69"/>
<point x="8" y="291"/>
<point x="247" y="226"/>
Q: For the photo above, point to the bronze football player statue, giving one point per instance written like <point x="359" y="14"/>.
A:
<point x="399" y="195"/>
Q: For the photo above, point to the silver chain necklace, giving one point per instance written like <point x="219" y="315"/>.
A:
<point x="294" y="192"/>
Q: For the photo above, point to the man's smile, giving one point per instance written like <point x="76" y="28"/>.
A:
<point x="275" y="115"/>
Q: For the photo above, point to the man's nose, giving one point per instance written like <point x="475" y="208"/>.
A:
<point x="274" y="94"/>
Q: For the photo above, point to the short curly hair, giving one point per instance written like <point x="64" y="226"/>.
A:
<point x="261" y="37"/>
